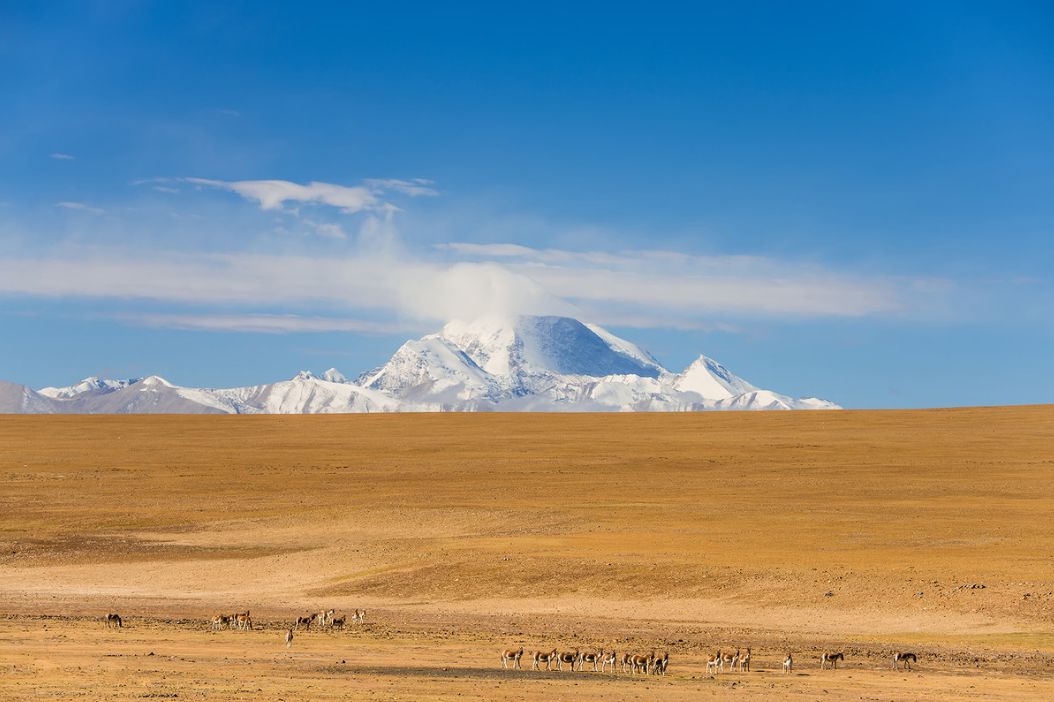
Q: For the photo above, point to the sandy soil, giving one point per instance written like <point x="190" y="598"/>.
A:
<point x="867" y="532"/>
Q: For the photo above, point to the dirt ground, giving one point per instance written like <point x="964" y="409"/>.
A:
<point x="867" y="532"/>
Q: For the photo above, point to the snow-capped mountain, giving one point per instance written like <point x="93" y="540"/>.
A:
<point x="524" y="363"/>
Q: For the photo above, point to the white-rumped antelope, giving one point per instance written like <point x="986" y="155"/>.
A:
<point x="113" y="621"/>
<point x="744" y="661"/>
<point x="359" y="616"/>
<point x="220" y="621"/>
<point x="513" y="655"/>
<point x="609" y="659"/>
<point x="304" y="622"/>
<point x="788" y="664"/>
<point x="626" y="661"/>
<point x="831" y="659"/>
<point x="906" y="657"/>
<point x="338" y="622"/>
<point x="288" y="638"/>
<point x="543" y="657"/>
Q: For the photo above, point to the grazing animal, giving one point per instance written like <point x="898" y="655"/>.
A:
<point x="220" y="621"/>
<point x="643" y="662"/>
<point x="288" y="638"/>
<point x="325" y="617"/>
<point x="627" y="661"/>
<point x="907" y="658"/>
<point x="243" y="621"/>
<point x="609" y="659"/>
<point x="359" y="616"/>
<point x="590" y="657"/>
<point x="788" y="664"/>
<point x="729" y="659"/>
<point x="659" y="664"/>
<point x="304" y="622"/>
<point x="542" y="657"/>
<point x="568" y="657"/>
<point x="338" y="622"/>
<point x="114" y="621"/>
<point x="713" y="663"/>
<point x="831" y="659"/>
<point x="511" y="655"/>
<point x="744" y="661"/>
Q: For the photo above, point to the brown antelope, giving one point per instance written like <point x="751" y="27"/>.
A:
<point x="359" y="616"/>
<point x="571" y="657"/>
<point x="729" y="659"/>
<point x="590" y="657"/>
<point x="338" y="622"/>
<point x="642" y="662"/>
<point x="831" y="659"/>
<point x="609" y="659"/>
<point x="627" y="661"/>
<point x="542" y="657"/>
<point x="659" y="664"/>
<point x="288" y="638"/>
<point x="713" y="663"/>
<point x="220" y="621"/>
<point x="304" y="622"/>
<point x="788" y="664"/>
<point x="325" y="617"/>
<point x="907" y="658"/>
<point x="513" y="655"/>
<point x="744" y="661"/>
<point x="113" y="621"/>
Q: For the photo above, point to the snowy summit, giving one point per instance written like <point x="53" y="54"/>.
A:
<point x="525" y="363"/>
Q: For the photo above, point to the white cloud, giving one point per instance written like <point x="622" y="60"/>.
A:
<point x="80" y="206"/>
<point x="261" y="323"/>
<point x="58" y="156"/>
<point x="272" y="194"/>
<point x="415" y="187"/>
<point x="648" y="288"/>
<point x="165" y="189"/>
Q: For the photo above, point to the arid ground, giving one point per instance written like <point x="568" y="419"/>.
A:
<point x="863" y="532"/>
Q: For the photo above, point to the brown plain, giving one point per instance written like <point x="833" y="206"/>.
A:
<point x="463" y="534"/>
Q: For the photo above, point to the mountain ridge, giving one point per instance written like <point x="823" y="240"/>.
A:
<point x="523" y="363"/>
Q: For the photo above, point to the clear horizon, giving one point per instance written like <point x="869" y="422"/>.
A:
<point x="842" y="202"/>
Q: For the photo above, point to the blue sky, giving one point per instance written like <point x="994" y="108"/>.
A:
<point x="848" y="200"/>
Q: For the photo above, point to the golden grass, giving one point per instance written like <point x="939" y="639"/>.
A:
<point x="718" y="521"/>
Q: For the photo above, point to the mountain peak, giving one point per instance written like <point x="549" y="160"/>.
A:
<point x="528" y="345"/>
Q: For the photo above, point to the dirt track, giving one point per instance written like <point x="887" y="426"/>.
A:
<point x="465" y="533"/>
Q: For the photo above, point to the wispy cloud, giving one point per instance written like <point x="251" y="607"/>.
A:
<point x="648" y="288"/>
<point x="58" y="156"/>
<point x="349" y="199"/>
<point x="165" y="189"/>
<point x="80" y="207"/>
<point x="261" y="323"/>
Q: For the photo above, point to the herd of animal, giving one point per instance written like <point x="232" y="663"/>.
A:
<point x="654" y="664"/>
<point x="600" y="660"/>
<point x="651" y="664"/>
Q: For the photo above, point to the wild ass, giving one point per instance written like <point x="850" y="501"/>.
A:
<point x="713" y="663"/>
<point x="542" y="657"/>
<point x="906" y="657"/>
<point x="831" y="659"/>
<point x="571" y="657"/>
<point x="591" y="657"/>
<point x="511" y="655"/>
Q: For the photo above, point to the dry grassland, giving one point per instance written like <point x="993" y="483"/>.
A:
<point x="462" y="534"/>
